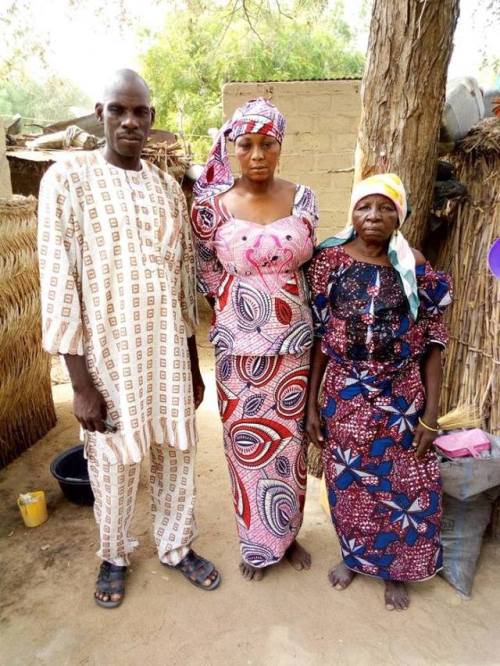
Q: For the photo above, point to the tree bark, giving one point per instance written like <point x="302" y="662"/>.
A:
<point x="403" y="92"/>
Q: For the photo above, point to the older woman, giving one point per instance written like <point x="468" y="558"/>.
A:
<point x="378" y="320"/>
<point x="253" y="234"/>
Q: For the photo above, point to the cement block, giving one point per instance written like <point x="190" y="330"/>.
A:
<point x="288" y="107"/>
<point x="335" y="160"/>
<point x="301" y="122"/>
<point x="335" y="123"/>
<point x="321" y="180"/>
<point x="298" y="162"/>
<point x="344" y="141"/>
<point x="318" y="103"/>
<point x="342" y="181"/>
<point x="309" y="141"/>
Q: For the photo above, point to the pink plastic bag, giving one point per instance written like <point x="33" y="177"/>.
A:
<point x="463" y="443"/>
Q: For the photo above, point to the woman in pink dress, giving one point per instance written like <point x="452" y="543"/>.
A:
<point x="253" y="235"/>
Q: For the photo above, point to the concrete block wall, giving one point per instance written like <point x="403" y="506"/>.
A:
<point x="322" y="125"/>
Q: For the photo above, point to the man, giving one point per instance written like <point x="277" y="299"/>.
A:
<point x="119" y="303"/>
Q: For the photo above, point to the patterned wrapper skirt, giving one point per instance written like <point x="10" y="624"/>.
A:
<point x="385" y="503"/>
<point x="261" y="403"/>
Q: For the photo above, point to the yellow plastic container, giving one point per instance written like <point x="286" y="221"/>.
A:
<point x="33" y="508"/>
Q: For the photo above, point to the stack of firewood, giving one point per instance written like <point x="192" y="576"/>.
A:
<point x="172" y="158"/>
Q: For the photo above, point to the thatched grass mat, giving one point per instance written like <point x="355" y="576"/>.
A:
<point x="473" y="355"/>
<point x="26" y="406"/>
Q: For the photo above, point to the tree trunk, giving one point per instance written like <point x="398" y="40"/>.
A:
<point x="402" y="97"/>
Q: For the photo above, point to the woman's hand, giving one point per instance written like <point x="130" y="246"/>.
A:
<point x="424" y="438"/>
<point x="197" y="379"/>
<point x="313" y="427"/>
<point x="432" y="372"/>
<point x="313" y="419"/>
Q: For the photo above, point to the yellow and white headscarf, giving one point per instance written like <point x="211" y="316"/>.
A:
<point x="399" y="252"/>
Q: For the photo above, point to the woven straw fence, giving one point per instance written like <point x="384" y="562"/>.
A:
<point x="26" y="405"/>
<point x="472" y="368"/>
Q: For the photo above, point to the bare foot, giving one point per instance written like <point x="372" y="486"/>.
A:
<point x="340" y="576"/>
<point x="298" y="556"/>
<point x="249" y="572"/>
<point x="396" y="596"/>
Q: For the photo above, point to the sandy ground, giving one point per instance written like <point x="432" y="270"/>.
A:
<point x="48" y="615"/>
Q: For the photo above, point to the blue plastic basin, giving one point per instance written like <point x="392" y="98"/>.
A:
<point x="70" y="469"/>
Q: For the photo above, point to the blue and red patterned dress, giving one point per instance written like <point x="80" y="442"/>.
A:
<point x="385" y="504"/>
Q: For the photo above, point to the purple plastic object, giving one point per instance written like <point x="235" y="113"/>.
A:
<point x="494" y="258"/>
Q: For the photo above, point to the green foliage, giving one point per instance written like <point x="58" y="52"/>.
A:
<point x="490" y="26"/>
<point x="27" y="86"/>
<point x="49" y="100"/>
<point x="203" y="44"/>
<point x="202" y="48"/>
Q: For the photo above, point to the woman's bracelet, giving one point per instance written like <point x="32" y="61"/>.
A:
<point x="427" y="427"/>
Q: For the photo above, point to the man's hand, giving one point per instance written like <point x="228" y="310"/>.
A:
<point x="90" y="409"/>
<point x="198" y="389"/>
<point x="313" y="427"/>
